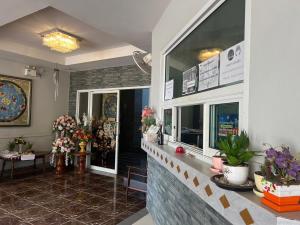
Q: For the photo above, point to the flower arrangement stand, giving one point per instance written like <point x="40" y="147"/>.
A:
<point x="81" y="170"/>
<point x="60" y="166"/>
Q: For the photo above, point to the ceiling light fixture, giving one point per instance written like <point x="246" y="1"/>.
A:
<point x="60" y="41"/>
<point x="205" y="54"/>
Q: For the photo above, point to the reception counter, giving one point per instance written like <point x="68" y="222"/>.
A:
<point x="180" y="193"/>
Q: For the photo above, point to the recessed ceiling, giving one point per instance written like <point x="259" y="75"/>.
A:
<point x="110" y="29"/>
<point x="26" y="31"/>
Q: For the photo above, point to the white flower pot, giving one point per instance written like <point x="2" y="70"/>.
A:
<point x="236" y="175"/>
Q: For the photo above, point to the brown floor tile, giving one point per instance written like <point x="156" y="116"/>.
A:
<point x="94" y="217"/>
<point x="33" y="213"/>
<point x="69" y="199"/>
<point x="50" y="219"/>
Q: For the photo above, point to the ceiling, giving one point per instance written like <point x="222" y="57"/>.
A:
<point x="110" y="30"/>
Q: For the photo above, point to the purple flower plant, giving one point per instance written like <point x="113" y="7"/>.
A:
<point x="283" y="164"/>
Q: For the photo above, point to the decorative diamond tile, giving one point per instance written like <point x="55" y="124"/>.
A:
<point x="196" y="182"/>
<point x="208" y="190"/>
<point x="224" y="201"/>
<point x="166" y="160"/>
<point x="154" y="152"/>
<point x="246" y="217"/>
<point x="161" y="157"/>
<point x="186" y="175"/>
<point x="157" y="154"/>
<point x="178" y="169"/>
<point x="172" y="164"/>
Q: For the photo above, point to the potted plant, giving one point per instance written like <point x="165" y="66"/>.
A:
<point x="61" y="149"/>
<point x="217" y="163"/>
<point x="11" y="146"/>
<point x="282" y="181"/>
<point x="20" y="141"/>
<point x="235" y="148"/>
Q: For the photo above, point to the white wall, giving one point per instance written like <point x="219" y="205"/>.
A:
<point x="44" y="109"/>
<point x="274" y="100"/>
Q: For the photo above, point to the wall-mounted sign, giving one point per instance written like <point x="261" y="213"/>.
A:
<point x="169" y="90"/>
<point x="232" y="64"/>
<point x="209" y="73"/>
<point x="189" y="83"/>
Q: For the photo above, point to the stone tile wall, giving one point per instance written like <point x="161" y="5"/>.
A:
<point x="172" y="203"/>
<point x="113" y="77"/>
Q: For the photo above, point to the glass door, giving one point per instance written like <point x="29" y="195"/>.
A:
<point x="104" y="111"/>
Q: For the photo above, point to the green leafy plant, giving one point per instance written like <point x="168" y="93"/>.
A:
<point x="11" y="145"/>
<point x="235" y="148"/>
<point x="29" y="145"/>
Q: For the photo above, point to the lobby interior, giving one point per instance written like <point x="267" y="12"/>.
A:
<point x="131" y="112"/>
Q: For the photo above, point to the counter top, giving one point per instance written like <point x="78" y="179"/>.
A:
<point x="237" y="207"/>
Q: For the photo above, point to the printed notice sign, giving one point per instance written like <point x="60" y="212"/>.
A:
<point x="169" y="90"/>
<point x="189" y="83"/>
<point x="209" y="73"/>
<point x="232" y="64"/>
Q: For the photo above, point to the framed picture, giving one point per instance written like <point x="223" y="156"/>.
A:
<point x="15" y="101"/>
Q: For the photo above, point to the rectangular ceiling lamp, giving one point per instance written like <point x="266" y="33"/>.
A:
<point x="60" y="41"/>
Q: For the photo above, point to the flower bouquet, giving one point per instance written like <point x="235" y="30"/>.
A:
<point x="147" y="119"/>
<point x="282" y="180"/>
<point x="64" y="125"/>
<point x="61" y="149"/>
<point x="83" y="136"/>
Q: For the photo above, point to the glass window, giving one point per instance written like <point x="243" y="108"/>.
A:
<point x="83" y="103"/>
<point x="168" y="121"/>
<point x="224" y="119"/>
<point x="221" y="30"/>
<point x="190" y="125"/>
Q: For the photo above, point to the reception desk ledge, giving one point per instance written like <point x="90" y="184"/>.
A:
<point x="235" y="207"/>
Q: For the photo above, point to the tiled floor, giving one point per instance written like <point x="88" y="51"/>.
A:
<point x="69" y="200"/>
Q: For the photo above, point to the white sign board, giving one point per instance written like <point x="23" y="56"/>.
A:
<point x="232" y="64"/>
<point x="209" y="73"/>
<point x="169" y="90"/>
<point x="189" y="82"/>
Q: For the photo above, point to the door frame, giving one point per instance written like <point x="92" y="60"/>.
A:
<point x="92" y="93"/>
<point x="90" y="100"/>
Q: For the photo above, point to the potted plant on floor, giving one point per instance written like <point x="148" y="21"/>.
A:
<point x="282" y="181"/>
<point x="236" y="150"/>
<point x="61" y="153"/>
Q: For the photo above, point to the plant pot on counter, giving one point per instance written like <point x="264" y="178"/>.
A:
<point x="236" y="175"/>
<point x="217" y="163"/>
<point x="281" y="198"/>
<point x="258" y="178"/>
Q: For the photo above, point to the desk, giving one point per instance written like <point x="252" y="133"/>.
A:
<point x="13" y="160"/>
<point x="82" y="158"/>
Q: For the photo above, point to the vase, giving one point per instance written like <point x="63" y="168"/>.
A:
<point x="258" y="177"/>
<point x="236" y="175"/>
<point x="82" y="146"/>
<point x="20" y="148"/>
<point x="60" y="163"/>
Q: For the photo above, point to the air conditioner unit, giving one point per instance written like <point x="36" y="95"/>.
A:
<point x="31" y="71"/>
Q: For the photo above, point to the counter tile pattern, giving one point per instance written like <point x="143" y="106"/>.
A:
<point x="230" y="205"/>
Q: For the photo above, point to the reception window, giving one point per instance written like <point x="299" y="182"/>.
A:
<point x="191" y="66"/>
<point x="190" y="125"/>
<point x="224" y="120"/>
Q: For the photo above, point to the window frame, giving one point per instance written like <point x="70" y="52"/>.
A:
<point x="238" y="92"/>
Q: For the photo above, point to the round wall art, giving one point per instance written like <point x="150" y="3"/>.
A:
<point x="13" y="101"/>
